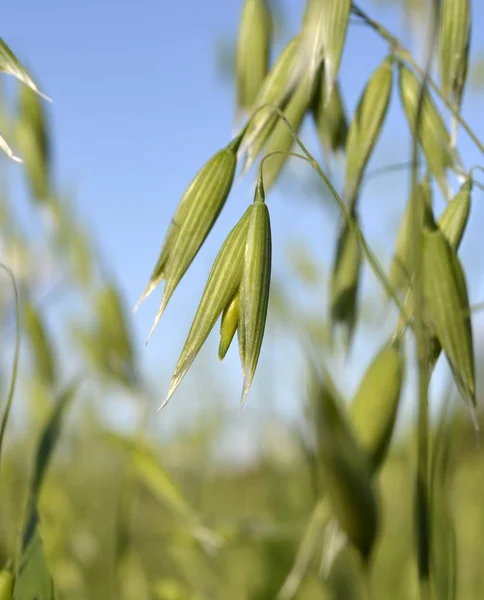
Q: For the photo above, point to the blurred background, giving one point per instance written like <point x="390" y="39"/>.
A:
<point x="194" y="502"/>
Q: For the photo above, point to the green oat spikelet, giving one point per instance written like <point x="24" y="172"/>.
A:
<point x="255" y="286"/>
<point x="335" y="18"/>
<point x="447" y="310"/>
<point x="345" y="280"/>
<point x="276" y="90"/>
<point x="329" y="116"/>
<point x="228" y="325"/>
<point x="252" y="53"/>
<point x="432" y="133"/>
<point x="374" y="408"/>
<point x="346" y="472"/>
<point x="366" y="126"/>
<point x="454" y="47"/>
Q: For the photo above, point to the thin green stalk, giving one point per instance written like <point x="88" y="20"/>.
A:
<point x="404" y="55"/>
<point x="422" y="492"/>
<point x="13" y="378"/>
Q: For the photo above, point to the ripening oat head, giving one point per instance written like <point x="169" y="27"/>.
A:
<point x="222" y="285"/>
<point x="193" y="220"/>
<point x="454" y="47"/>
<point x="252" y="52"/>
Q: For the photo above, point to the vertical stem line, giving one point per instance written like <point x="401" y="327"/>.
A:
<point x="422" y="496"/>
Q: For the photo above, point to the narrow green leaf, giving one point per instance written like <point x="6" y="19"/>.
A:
<point x="33" y="581"/>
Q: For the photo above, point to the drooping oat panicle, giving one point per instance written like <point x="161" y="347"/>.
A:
<point x="454" y="46"/>
<point x="193" y="220"/>
<point x="281" y="139"/>
<point x="276" y="90"/>
<point x="374" y="407"/>
<point x="346" y="472"/>
<point x="32" y="139"/>
<point x="335" y="18"/>
<point x="399" y="273"/>
<point x="255" y="286"/>
<point x="453" y="220"/>
<point x="252" y="53"/>
<point x="447" y="309"/>
<point x="366" y="127"/>
<point x="329" y="116"/>
<point x="432" y="133"/>
<point x="228" y="326"/>
<point x="222" y="285"/>
<point x="345" y="278"/>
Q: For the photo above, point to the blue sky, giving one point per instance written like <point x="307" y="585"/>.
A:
<point x="139" y="106"/>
